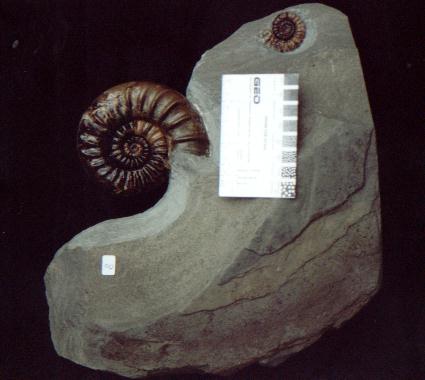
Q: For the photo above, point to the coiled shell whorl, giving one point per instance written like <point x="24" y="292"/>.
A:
<point x="127" y="134"/>
<point x="287" y="32"/>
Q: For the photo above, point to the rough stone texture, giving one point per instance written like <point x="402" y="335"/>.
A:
<point x="213" y="284"/>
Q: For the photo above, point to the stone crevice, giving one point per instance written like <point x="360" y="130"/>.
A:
<point x="290" y="277"/>
<point x="270" y="251"/>
<point x="233" y="303"/>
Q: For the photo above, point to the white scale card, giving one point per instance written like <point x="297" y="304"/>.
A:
<point x="108" y="265"/>
<point x="258" y="142"/>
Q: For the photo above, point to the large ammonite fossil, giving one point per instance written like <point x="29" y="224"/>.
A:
<point x="127" y="134"/>
<point x="287" y="33"/>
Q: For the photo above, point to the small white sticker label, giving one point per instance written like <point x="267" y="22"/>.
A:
<point x="258" y="142"/>
<point x="108" y="265"/>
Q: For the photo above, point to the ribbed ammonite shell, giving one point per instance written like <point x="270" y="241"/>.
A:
<point x="127" y="134"/>
<point x="287" y="33"/>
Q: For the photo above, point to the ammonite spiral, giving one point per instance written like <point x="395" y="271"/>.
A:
<point x="127" y="134"/>
<point x="287" y="33"/>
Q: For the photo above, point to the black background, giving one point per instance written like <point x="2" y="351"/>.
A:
<point x="70" y="51"/>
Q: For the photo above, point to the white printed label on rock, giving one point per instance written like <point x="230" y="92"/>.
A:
<point x="258" y="143"/>
<point x="108" y="265"/>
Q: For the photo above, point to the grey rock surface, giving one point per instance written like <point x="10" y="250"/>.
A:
<point x="213" y="284"/>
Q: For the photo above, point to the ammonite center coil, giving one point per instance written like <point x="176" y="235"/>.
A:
<point x="287" y="32"/>
<point x="126" y="136"/>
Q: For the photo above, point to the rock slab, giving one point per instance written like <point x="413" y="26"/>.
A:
<point x="209" y="284"/>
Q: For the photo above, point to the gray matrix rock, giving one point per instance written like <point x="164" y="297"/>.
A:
<point x="213" y="284"/>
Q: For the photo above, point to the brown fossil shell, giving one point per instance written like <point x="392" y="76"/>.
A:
<point x="287" y="33"/>
<point x="127" y="134"/>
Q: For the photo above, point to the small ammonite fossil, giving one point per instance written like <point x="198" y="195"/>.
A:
<point x="126" y="136"/>
<point x="287" y="33"/>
